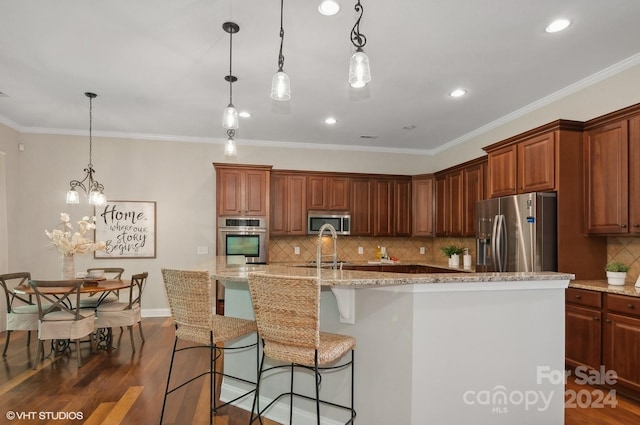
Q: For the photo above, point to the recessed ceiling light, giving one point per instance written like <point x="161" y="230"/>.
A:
<point x="245" y="114"/>
<point x="558" y="25"/>
<point x="329" y="7"/>
<point x="330" y="121"/>
<point x="458" y="93"/>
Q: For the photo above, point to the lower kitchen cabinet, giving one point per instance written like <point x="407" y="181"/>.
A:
<point x="603" y="329"/>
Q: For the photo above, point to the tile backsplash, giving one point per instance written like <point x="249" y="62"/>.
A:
<point x="282" y="248"/>
<point x="625" y="250"/>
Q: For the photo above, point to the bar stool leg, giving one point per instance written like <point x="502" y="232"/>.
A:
<point x="164" y="402"/>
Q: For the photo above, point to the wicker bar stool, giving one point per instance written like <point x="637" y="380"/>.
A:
<point x="287" y="312"/>
<point x="191" y="302"/>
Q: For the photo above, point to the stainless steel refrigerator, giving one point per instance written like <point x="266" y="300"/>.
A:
<point x="517" y="233"/>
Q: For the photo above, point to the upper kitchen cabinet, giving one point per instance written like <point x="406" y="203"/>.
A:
<point x="288" y="203"/>
<point x="522" y="166"/>
<point x="422" y="199"/>
<point x="242" y="190"/>
<point x="550" y="158"/>
<point x="362" y="203"/>
<point x="402" y="206"/>
<point x="328" y="193"/>
<point x="458" y="189"/>
<point x="391" y="206"/>
<point x="612" y="174"/>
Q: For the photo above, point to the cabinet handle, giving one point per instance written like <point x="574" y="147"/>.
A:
<point x="578" y="296"/>
<point x="630" y="306"/>
<point x="624" y="226"/>
<point x="636" y="225"/>
<point x="596" y="318"/>
<point x="608" y="321"/>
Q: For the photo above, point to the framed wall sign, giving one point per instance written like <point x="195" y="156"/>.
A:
<point x="128" y="228"/>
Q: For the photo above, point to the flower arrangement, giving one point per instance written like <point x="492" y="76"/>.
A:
<point x="70" y="241"/>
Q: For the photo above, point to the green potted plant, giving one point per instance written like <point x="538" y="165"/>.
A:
<point x="453" y="252"/>
<point x="616" y="273"/>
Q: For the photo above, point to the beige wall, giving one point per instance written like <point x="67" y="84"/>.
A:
<point x="180" y="178"/>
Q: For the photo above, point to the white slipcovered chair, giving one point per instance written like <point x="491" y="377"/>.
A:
<point x="22" y="312"/>
<point x="57" y="319"/>
<point x="119" y="314"/>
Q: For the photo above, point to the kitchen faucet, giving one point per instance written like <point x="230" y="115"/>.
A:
<point x="334" y="235"/>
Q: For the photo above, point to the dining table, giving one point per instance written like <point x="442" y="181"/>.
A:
<point x="99" y="287"/>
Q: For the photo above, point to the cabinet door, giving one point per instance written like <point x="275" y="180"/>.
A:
<point x="583" y="336"/>
<point x="455" y="201"/>
<point x="256" y="192"/>
<point x="606" y="179"/>
<point x="423" y="201"/>
<point x="339" y="190"/>
<point x="317" y="193"/>
<point x="278" y="202"/>
<point x="502" y="172"/>
<point x="474" y="183"/>
<point x="442" y="223"/>
<point x="362" y="204"/>
<point x="402" y="207"/>
<point x="229" y="188"/>
<point x="297" y="205"/>
<point x="621" y="348"/>
<point x="536" y="164"/>
<point x="383" y="211"/>
<point x="634" y="175"/>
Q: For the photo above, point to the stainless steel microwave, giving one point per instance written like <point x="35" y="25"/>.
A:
<point x="340" y="220"/>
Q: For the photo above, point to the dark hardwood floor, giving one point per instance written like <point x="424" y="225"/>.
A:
<point x="121" y="387"/>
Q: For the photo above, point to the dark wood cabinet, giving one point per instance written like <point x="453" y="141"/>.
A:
<point x="242" y="190"/>
<point x="612" y="178"/>
<point x="288" y="204"/>
<point x="422" y="199"/>
<point x="583" y="328"/>
<point x="402" y="207"/>
<point x="383" y="224"/>
<point x="458" y="189"/>
<point x="603" y="329"/>
<point x="328" y="193"/>
<point x="362" y="195"/>
<point x="526" y="166"/>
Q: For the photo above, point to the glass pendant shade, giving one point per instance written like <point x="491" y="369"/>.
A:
<point x="73" y="197"/>
<point x="280" y="86"/>
<point x="230" y="118"/>
<point x="359" y="71"/>
<point x="230" y="148"/>
<point x="97" y="198"/>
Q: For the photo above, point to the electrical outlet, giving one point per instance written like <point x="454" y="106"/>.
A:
<point x="296" y="250"/>
<point x="421" y="250"/>
<point x="360" y="250"/>
<point x="202" y="250"/>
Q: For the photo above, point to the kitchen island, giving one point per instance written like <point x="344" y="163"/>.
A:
<point x="450" y="348"/>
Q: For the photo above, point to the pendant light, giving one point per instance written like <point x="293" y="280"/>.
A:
<point x="280" y="87"/>
<point x="359" y="71"/>
<point x="230" y="148"/>
<point x="230" y="116"/>
<point x="91" y="188"/>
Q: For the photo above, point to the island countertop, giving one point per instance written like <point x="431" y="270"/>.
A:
<point x="355" y="278"/>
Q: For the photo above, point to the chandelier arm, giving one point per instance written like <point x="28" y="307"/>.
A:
<point x="358" y="39"/>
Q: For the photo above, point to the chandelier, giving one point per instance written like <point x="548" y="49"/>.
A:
<point x="91" y="187"/>
<point x="359" y="71"/>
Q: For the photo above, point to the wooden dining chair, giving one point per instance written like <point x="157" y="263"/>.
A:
<point x="287" y="311"/>
<point x="22" y="311"/>
<point x="119" y="314"/>
<point x="58" y="319"/>
<point x="191" y="301"/>
<point x="91" y="300"/>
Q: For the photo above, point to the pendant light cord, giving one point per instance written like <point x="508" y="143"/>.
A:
<point x="90" y="131"/>
<point x="230" y="74"/>
<point x="280" y="55"/>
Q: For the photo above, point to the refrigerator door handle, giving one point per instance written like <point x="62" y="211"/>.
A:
<point x="504" y="240"/>
<point x="500" y="251"/>
<point x="494" y="244"/>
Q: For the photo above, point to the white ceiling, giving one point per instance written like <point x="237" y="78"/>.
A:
<point x="158" y="66"/>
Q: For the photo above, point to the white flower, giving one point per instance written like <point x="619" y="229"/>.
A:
<point x="70" y="241"/>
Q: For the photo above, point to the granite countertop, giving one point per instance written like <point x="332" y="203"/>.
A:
<point x="355" y="278"/>
<point x="603" y="286"/>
